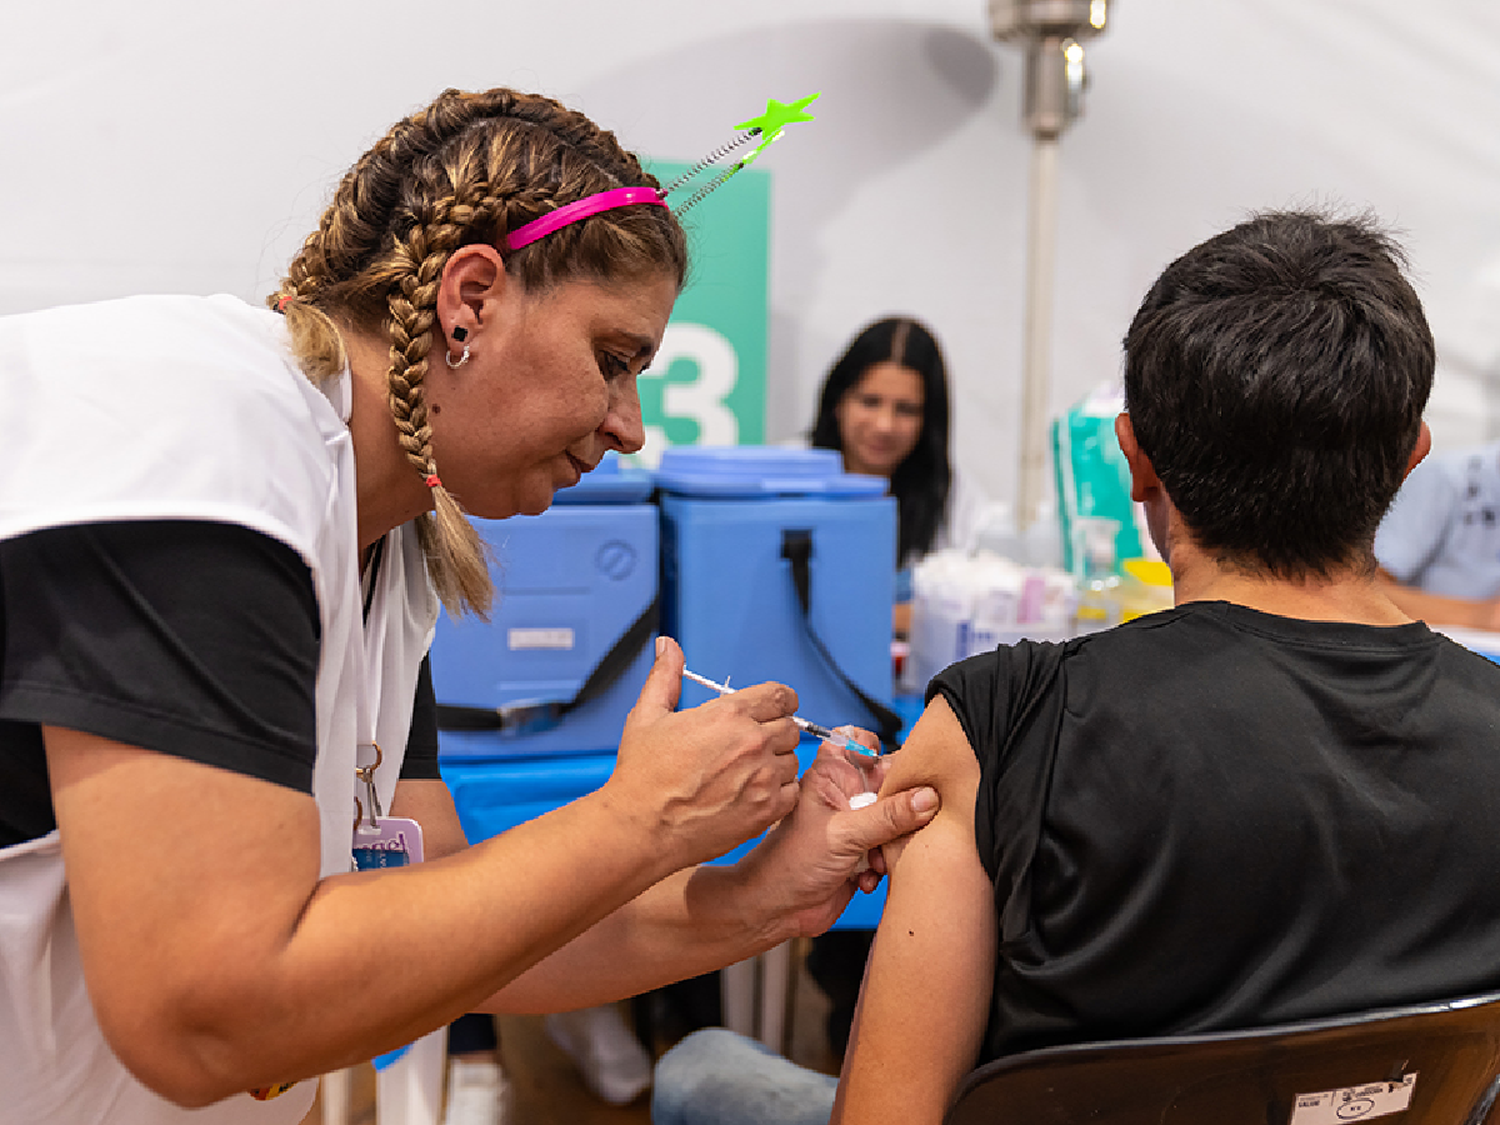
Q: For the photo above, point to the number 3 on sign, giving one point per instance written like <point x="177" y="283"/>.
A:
<point x="703" y="400"/>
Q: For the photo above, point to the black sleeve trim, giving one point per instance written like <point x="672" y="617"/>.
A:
<point x="421" y="761"/>
<point x="190" y="638"/>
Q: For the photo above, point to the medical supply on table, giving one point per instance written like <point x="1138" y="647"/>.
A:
<point x="1111" y="592"/>
<point x="1093" y="479"/>
<point x="842" y="741"/>
<point x="965" y="604"/>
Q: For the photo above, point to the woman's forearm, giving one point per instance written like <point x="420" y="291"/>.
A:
<point x="692" y="922"/>
<point x="220" y="966"/>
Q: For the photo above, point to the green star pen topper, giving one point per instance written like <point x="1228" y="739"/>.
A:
<point x="768" y="126"/>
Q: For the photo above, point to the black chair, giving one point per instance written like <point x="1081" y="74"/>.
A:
<point x="1439" y="1060"/>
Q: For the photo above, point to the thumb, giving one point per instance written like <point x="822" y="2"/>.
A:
<point x="891" y="817"/>
<point x="663" y="685"/>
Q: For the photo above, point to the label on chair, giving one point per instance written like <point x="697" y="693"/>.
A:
<point x="1353" y="1103"/>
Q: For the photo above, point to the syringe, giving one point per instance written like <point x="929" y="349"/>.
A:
<point x="841" y="740"/>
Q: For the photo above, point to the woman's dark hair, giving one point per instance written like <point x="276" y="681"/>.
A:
<point x="921" y="482"/>
<point x="1276" y="376"/>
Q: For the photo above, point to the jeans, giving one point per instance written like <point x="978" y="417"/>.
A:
<point x="715" y="1077"/>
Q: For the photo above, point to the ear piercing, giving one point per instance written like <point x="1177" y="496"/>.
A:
<point x="460" y="334"/>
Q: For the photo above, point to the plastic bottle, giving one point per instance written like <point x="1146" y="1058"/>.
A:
<point x="995" y="533"/>
<point x="1041" y="542"/>
<point x="1099" y="601"/>
<point x="1145" y="588"/>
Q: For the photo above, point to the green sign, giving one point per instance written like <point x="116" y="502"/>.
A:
<point x="707" y="385"/>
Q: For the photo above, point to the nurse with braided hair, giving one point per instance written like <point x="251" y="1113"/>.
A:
<point x="219" y="574"/>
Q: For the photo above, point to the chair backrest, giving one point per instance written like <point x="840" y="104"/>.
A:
<point x="1434" y="1064"/>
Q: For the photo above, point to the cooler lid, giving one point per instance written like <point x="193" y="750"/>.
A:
<point x="609" y="483"/>
<point x="751" y="471"/>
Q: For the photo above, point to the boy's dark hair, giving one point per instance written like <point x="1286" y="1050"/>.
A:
<point x="921" y="482"/>
<point x="1276" y="376"/>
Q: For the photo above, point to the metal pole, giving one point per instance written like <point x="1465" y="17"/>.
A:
<point x="1053" y="32"/>
<point x="1041" y="253"/>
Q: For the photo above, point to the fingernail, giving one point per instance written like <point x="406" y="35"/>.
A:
<point x="661" y="645"/>
<point x="924" y="800"/>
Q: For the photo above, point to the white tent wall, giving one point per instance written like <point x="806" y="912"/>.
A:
<point x="173" y="145"/>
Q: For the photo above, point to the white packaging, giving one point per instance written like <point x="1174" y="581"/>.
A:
<point x="965" y="604"/>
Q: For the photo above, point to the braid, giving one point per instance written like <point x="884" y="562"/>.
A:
<point x="455" y="555"/>
<point x="468" y="168"/>
<point x="412" y="314"/>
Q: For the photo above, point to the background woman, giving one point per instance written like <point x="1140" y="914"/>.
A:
<point x="217" y="581"/>
<point x="884" y="406"/>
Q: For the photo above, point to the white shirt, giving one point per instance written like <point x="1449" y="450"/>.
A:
<point x="186" y="407"/>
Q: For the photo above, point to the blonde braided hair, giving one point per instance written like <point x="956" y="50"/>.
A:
<point x="468" y="168"/>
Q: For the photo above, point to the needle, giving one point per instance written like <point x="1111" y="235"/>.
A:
<point x="840" y="740"/>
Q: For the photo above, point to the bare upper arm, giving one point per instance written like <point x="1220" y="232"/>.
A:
<point x="176" y="870"/>
<point x="927" y="987"/>
<point x="936" y="753"/>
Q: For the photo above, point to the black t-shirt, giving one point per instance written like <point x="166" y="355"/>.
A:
<point x="1215" y="818"/>
<point x="190" y="638"/>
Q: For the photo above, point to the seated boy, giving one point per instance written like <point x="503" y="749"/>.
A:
<point x="1272" y="802"/>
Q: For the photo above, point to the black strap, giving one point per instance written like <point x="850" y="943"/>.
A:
<point x="796" y="548"/>
<point x="370" y="574"/>
<point x="530" y="716"/>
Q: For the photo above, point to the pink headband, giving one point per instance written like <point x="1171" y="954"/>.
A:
<point x="581" y="209"/>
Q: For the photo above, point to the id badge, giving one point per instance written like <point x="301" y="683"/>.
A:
<point x="394" y="842"/>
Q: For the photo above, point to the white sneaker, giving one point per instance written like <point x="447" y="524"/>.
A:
<point x="478" y="1094"/>
<point x="611" y="1059"/>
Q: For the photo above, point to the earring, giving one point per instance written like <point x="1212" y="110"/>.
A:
<point x="460" y="333"/>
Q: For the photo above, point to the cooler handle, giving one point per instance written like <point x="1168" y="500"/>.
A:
<point x="796" y="548"/>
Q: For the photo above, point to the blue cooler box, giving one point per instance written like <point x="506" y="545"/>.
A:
<point x="570" y="583"/>
<point x="728" y="595"/>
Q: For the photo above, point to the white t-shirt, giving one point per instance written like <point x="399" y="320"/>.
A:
<point x="188" y="407"/>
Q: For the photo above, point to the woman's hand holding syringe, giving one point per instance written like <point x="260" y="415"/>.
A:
<point x="832" y="843"/>
<point x="842" y="741"/>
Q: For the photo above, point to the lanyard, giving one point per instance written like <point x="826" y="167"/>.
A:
<point x="364" y="713"/>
